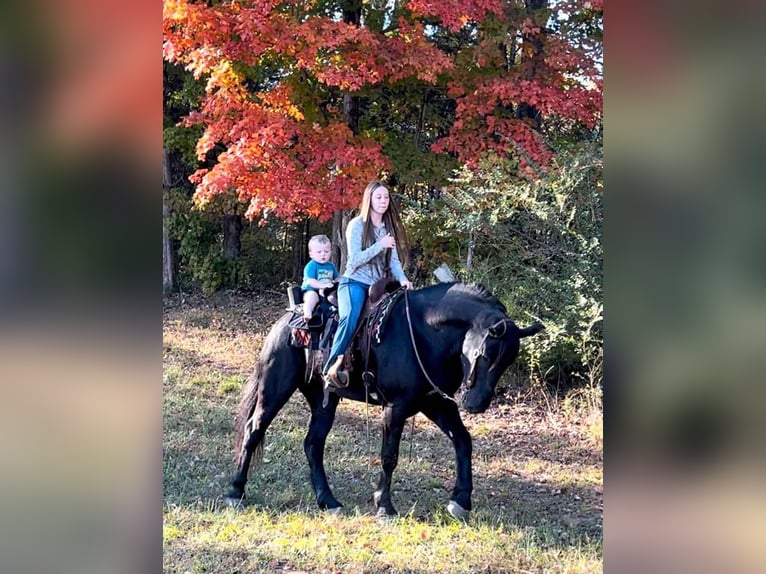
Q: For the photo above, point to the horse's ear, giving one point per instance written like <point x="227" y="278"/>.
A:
<point x="531" y="330"/>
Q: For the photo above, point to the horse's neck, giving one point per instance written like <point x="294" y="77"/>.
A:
<point x="457" y="320"/>
<point x="463" y="316"/>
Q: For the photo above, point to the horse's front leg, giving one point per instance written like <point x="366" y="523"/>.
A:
<point x="322" y="418"/>
<point x="447" y="417"/>
<point x="393" y="425"/>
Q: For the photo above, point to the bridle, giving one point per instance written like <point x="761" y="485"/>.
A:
<point x="480" y="351"/>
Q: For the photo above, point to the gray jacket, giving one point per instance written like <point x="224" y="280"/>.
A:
<point x="361" y="263"/>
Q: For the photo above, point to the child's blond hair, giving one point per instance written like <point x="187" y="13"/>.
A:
<point x="320" y="239"/>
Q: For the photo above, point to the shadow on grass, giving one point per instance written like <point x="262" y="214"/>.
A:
<point x="195" y="360"/>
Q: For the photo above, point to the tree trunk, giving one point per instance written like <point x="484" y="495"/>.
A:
<point x="167" y="248"/>
<point x="300" y="249"/>
<point x="471" y="250"/>
<point x="232" y="236"/>
<point x="339" y="248"/>
<point x="531" y="62"/>
<point x="352" y="14"/>
<point x="421" y="117"/>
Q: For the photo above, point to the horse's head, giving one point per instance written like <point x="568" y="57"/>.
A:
<point x="487" y="352"/>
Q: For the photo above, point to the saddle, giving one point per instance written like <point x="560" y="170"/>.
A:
<point x="316" y="335"/>
<point x="381" y="300"/>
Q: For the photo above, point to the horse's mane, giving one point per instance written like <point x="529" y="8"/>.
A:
<point x="462" y="302"/>
<point x="476" y="291"/>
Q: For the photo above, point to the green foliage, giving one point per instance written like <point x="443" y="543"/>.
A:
<point x="411" y="164"/>
<point x="183" y="141"/>
<point x="407" y="119"/>
<point x="537" y="245"/>
<point x="200" y="258"/>
<point x="265" y="254"/>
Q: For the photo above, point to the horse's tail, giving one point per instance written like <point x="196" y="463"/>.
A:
<point x="531" y="330"/>
<point x="243" y="416"/>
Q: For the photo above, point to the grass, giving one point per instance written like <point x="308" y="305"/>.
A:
<point x="537" y="474"/>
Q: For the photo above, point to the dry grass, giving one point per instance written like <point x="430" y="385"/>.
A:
<point x="537" y="473"/>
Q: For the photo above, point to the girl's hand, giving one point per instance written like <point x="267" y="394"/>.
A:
<point x="406" y="284"/>
<point x="388" y="242"/>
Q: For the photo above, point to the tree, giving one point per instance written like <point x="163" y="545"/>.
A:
<point x="287" y="84"/>
<point x="167" y="249"/>
<point x="530" y="62"/>
<point x="276" y="74"/>
<point x="538" y="246"/>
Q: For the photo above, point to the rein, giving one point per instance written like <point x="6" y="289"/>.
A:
<point x="480" y="351"/>
<point x="417" y="355"/>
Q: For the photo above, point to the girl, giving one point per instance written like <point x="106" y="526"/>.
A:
<point x="377" y="243"/>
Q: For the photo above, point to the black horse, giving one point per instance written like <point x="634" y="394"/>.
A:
<point x="435" y="342"/>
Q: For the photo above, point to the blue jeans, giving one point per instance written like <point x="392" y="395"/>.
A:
<point x="351" y="297"/>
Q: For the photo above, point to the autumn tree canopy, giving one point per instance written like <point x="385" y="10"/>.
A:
<point x="276" y="74"/>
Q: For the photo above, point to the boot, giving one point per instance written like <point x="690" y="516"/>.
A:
<point x="336" y="377"/>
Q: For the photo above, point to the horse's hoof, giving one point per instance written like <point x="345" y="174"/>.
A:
<point x="337" y="511"/>
<point x="384" y="517"/>
<point x="233" y="502"/>
<point x="458" y="512"/>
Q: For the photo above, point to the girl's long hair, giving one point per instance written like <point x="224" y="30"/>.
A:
<point x="391" y="220"/>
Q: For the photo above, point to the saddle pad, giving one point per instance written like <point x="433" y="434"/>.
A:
<point x="299" y="338"/>
<point x="315" y="336"/>
<point x="376" y="322"/>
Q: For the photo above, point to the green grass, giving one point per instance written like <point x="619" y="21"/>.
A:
<point x="256" y="540"/>
<point x="537" y="475"/>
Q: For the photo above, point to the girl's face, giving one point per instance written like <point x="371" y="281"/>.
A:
<point x="379" y="200"/>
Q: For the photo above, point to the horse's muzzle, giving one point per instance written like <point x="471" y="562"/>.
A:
<point x="474" y="402"/>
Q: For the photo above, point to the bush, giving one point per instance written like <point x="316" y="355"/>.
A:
<point x="537" y="245"/>
<point x="269" y="254"/>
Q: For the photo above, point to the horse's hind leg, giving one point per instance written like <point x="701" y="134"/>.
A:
<point x="447" y="417"/>
<point x="274" y="389"/>
<point x="322" y="418"/>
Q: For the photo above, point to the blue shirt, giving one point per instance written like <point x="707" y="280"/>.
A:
<point x="319" y="271"/>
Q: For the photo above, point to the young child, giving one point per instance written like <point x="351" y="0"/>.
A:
<point x="319" y="273"/>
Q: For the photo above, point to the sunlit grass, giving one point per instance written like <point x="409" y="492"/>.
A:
<point x="307" y="539"/>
